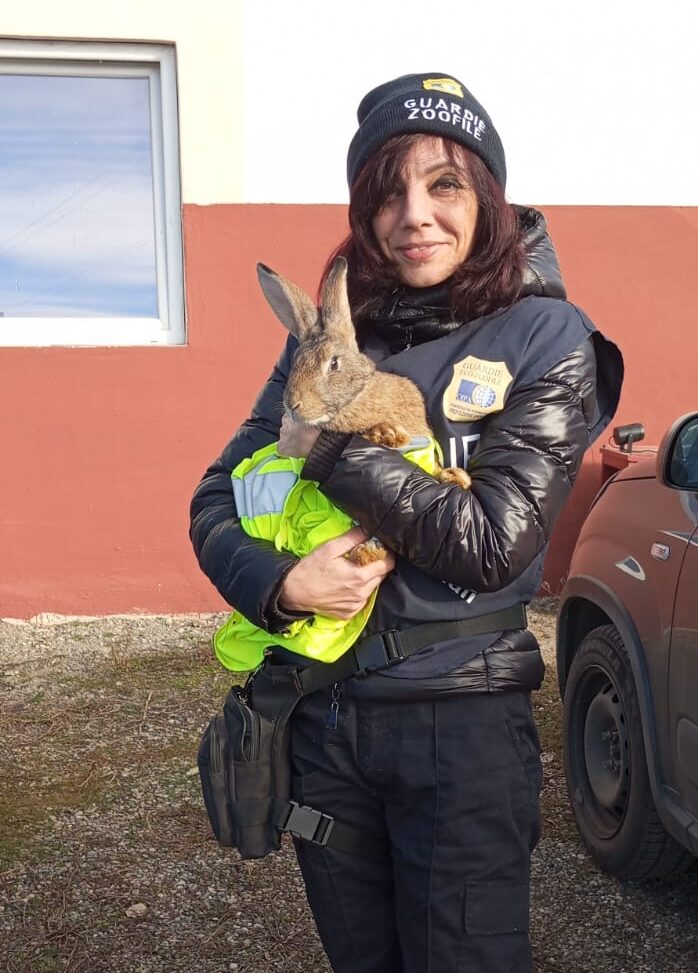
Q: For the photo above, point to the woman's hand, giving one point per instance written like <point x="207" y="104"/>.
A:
<point x="326" y="583"/>
<point x="295" y="438"/>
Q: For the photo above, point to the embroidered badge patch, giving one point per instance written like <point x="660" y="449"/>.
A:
<point x="477" y="388"/>
<point x="448" y="85"/>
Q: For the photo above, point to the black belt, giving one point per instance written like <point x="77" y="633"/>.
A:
<point x="386" y="649"/>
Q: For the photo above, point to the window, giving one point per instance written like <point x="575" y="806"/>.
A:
<point x="90" y="235"/>
<point x="683" y="469"/>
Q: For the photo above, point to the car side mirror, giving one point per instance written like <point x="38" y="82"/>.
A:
<point x="677" y="458"/>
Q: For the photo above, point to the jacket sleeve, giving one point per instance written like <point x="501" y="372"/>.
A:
<point x="247" y="572"/>
<point x="522" y="472"/>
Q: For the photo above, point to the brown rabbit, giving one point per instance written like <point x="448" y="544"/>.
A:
<point x="335" y="386"/>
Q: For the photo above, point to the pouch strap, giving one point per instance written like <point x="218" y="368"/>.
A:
<point x="310" y="825"/>
<point x="319" y="828"/>
<point x="386" y="649"/>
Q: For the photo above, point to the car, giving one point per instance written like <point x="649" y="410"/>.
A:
<point x="627" y="661"/>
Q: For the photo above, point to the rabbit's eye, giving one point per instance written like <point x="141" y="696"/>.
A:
<point x="333" y="365"/>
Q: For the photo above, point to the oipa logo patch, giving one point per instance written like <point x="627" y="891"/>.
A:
<point x="477" y="388"/>
<point x="448" y="85"/>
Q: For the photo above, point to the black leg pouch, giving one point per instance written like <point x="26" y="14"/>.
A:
<point x="244" y="762"/>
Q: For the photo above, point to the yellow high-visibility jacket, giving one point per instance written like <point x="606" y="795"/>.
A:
<point x="274" y="504"/>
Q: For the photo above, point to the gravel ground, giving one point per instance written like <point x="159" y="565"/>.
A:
<point x="106" y="863"/>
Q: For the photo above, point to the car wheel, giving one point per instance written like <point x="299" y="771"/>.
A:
<point x="606" y="766"/>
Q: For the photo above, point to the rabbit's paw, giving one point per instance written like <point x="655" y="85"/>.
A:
<point x="368" y="552"/>
<point x="390" y="434"/>
<point x="453" y="474"/>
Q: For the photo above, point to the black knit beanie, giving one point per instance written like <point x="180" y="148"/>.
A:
<point x="434" y="104"/>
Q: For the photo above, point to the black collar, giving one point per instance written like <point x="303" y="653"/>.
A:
<point x="412" y="315"/>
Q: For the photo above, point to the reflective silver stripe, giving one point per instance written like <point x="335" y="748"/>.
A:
<point x="239" y="494"/>
<point x="262" y="493"/>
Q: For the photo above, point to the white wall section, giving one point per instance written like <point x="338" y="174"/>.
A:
<point x="208" y="39"/>
<point x="594" y="101"/>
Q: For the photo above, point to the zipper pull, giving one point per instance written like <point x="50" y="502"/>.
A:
<point x="333" y="713"/>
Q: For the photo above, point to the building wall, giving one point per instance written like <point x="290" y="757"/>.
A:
<point x="209" y="42"/>
<point x="102" y="446"/>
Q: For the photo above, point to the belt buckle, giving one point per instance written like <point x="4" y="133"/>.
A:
<point x="308" y="824"/>
<point x="379" y="651"/>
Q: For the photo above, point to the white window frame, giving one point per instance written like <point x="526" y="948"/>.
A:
<point x="157" y="62"/>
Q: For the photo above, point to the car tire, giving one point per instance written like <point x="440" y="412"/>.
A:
<point x="606" y="765"/>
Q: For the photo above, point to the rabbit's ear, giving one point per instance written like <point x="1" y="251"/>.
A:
<point x="336" y="313"/>
<point x="290" y="304"/>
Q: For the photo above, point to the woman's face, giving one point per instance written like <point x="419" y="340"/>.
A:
<point x="426" y="226"/>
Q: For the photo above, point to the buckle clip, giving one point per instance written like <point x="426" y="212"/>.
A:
<point x="379" y="651"/>
<point x="308" y="824"/>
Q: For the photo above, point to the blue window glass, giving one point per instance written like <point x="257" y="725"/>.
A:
<point x="77" y="227"/>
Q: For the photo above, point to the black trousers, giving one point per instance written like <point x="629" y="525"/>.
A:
<point x="452" y="784"/>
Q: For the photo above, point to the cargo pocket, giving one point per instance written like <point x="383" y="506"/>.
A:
<point x="256" y="835"/>
<point x="212" y="773"/>
<point x="496" y="908"/>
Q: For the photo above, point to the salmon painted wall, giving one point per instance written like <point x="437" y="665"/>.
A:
<point x="102" y="447"/>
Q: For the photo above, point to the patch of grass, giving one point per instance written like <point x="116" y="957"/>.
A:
<point x="72" y="744"/>
<point x="48" y="959"/>
<point x="10" y="845"/>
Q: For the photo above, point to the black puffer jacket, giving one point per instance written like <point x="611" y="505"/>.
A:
<point x="482" y="540"/>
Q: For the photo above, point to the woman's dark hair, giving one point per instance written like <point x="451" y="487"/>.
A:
<point x="490" y="277"/>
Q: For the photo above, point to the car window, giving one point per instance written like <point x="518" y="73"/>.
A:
<point x="683" y="469"/>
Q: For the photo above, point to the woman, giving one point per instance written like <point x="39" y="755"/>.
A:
<point x="436" y="756"/>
